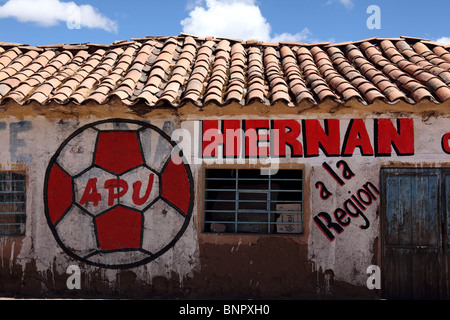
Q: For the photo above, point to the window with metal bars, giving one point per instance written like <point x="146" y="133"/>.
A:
<point x="12" y="203"/>
<point x="245" y="201"/>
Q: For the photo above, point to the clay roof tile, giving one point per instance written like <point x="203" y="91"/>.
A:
<point x="159" y="70"/>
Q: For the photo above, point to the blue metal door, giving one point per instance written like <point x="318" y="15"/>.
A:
<point x="414" y="228"/>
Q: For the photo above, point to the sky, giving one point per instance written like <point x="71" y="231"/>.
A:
<point x="43" y="22"/>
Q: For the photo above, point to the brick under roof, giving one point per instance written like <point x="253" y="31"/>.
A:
<point x="176" y="70"/>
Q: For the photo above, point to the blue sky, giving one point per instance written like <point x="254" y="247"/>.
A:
<point x="37" y="22"/>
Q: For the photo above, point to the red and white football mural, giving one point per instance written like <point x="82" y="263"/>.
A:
<point x="116" y="195"/>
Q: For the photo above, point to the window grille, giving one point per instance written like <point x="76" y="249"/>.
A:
<point x="12" y="203"/>
<point x="244" y="201"/>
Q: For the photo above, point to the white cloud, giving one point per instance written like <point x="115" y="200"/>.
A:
<point x="51" y="12"/>
<point x="302" y="36"/>
<point x="346" y="3"/>
<point x="445" y="40"/>
<point x="240" y="19"/>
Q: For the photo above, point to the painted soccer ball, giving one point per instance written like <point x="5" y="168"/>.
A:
<point x="116" y="196"/>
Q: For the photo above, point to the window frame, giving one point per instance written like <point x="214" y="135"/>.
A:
<point x="282" y="166"/>
<point x="21" y="231"/>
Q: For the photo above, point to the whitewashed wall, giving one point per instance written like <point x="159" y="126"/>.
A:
<point x="34" y="140"/>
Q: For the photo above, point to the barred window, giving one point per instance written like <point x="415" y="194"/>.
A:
<point x="245" y="201"/>
<point x="12" y="203"/>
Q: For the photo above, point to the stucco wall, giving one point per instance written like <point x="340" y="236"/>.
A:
<point x="212" y="265"/>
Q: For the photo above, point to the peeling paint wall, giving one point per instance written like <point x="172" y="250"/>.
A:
<point x="201" y="264"/>
<point x="39" y="247"/>
<point x="353" y="250"/>
<point x="349" y="186"/>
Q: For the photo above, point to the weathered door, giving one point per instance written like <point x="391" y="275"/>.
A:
<point x="446" y="205"/>
<point x="414" y="233"/>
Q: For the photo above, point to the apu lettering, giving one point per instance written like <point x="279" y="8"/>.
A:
<point x="117" y="188"/>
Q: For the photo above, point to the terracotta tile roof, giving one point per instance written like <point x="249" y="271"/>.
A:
<point x="176" y="70"/>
